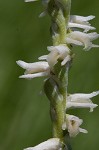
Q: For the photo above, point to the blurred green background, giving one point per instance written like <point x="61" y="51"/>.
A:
<point x="24" y="113"/>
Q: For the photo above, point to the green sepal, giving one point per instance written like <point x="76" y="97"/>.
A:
<point x="52" y="91"/>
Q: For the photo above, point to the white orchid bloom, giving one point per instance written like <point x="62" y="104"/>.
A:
<point x="51" y="144"/>
<point x="73" y="124"/>
<point x="80" y="38"/>
<point x="81" y="101"/>
<point x="81" y="20"/>
<point x="37" y="69"/>
<point x="61" y="52"/>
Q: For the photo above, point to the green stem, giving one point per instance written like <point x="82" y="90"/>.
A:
<point x="59" y="11"/>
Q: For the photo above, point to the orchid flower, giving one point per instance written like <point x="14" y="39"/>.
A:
<point x="84" y="39"/>
<point x="37" y="69"/>
<point x="81" y="22"/>
<point x="61" y="52"/>
<point x="73" y="124"/>
<point x="81" y="101"/>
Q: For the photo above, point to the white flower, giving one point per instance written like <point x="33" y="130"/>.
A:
<point x="81" y="19"/>
<point x="73" y="124"/>
<point x="80" y="38"/>
<point x="61" y="52"/>
<point x="81" y="101"/>
<point x="51" y="144"/>
<point x="81" y="22"/>
<point x="38" y="69"/>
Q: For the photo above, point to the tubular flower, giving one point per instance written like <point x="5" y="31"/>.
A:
<point x="81" y="22"/>
<point x="51" y="144"/>
<point x="81" y="101"/>
<point x="37" y="69"/>
<point x="61" y="52"/>
<point x="84" y="39"/>
<point x="73" y="124"/>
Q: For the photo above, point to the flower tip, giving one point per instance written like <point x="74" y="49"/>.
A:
<point x="22" y="76"/>
<point x="18" y="62"/>
<point x="30" y="0"/>
<point x="83" y="130"/>
<point x="22" y="64"/>
<point x="95" y="93"/>
<point x="91" y="17"/>
<point x="92" y="108"/>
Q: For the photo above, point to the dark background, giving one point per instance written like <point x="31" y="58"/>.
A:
<point x="24" y="113"/>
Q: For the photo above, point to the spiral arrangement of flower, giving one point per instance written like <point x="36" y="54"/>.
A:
<point x="66" y="31"/>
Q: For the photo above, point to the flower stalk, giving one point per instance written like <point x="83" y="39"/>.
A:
<point x="66" y="31"/>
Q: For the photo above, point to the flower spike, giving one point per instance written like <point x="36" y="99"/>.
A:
<point x="66" y="30"/>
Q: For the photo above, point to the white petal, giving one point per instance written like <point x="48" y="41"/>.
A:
<point x="72" y="41"/>
<point x="51" y="144"/>
<point x="83" y="130"/>
<point x="93" y="36"/>
<point x="68" y="58"/>
<point x="30" y="0"/>
<point x="81" y="105"/>
<point x="61" y="52"/>
<point x="75" y="118"/>
<point x="33" y="67"/>
<point x="75" y="97"/>
<point x="94" y="45"/>
<point x="50" y="48"/>
<point x="44" y="57"/>
<point x="84" y="38"/>
<point x="86" y="27"/>
<point x="35" y="75"/>
<point x="52" y="58"/>
<point x="60" y="48"/>
<point x="81" y="19"/>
